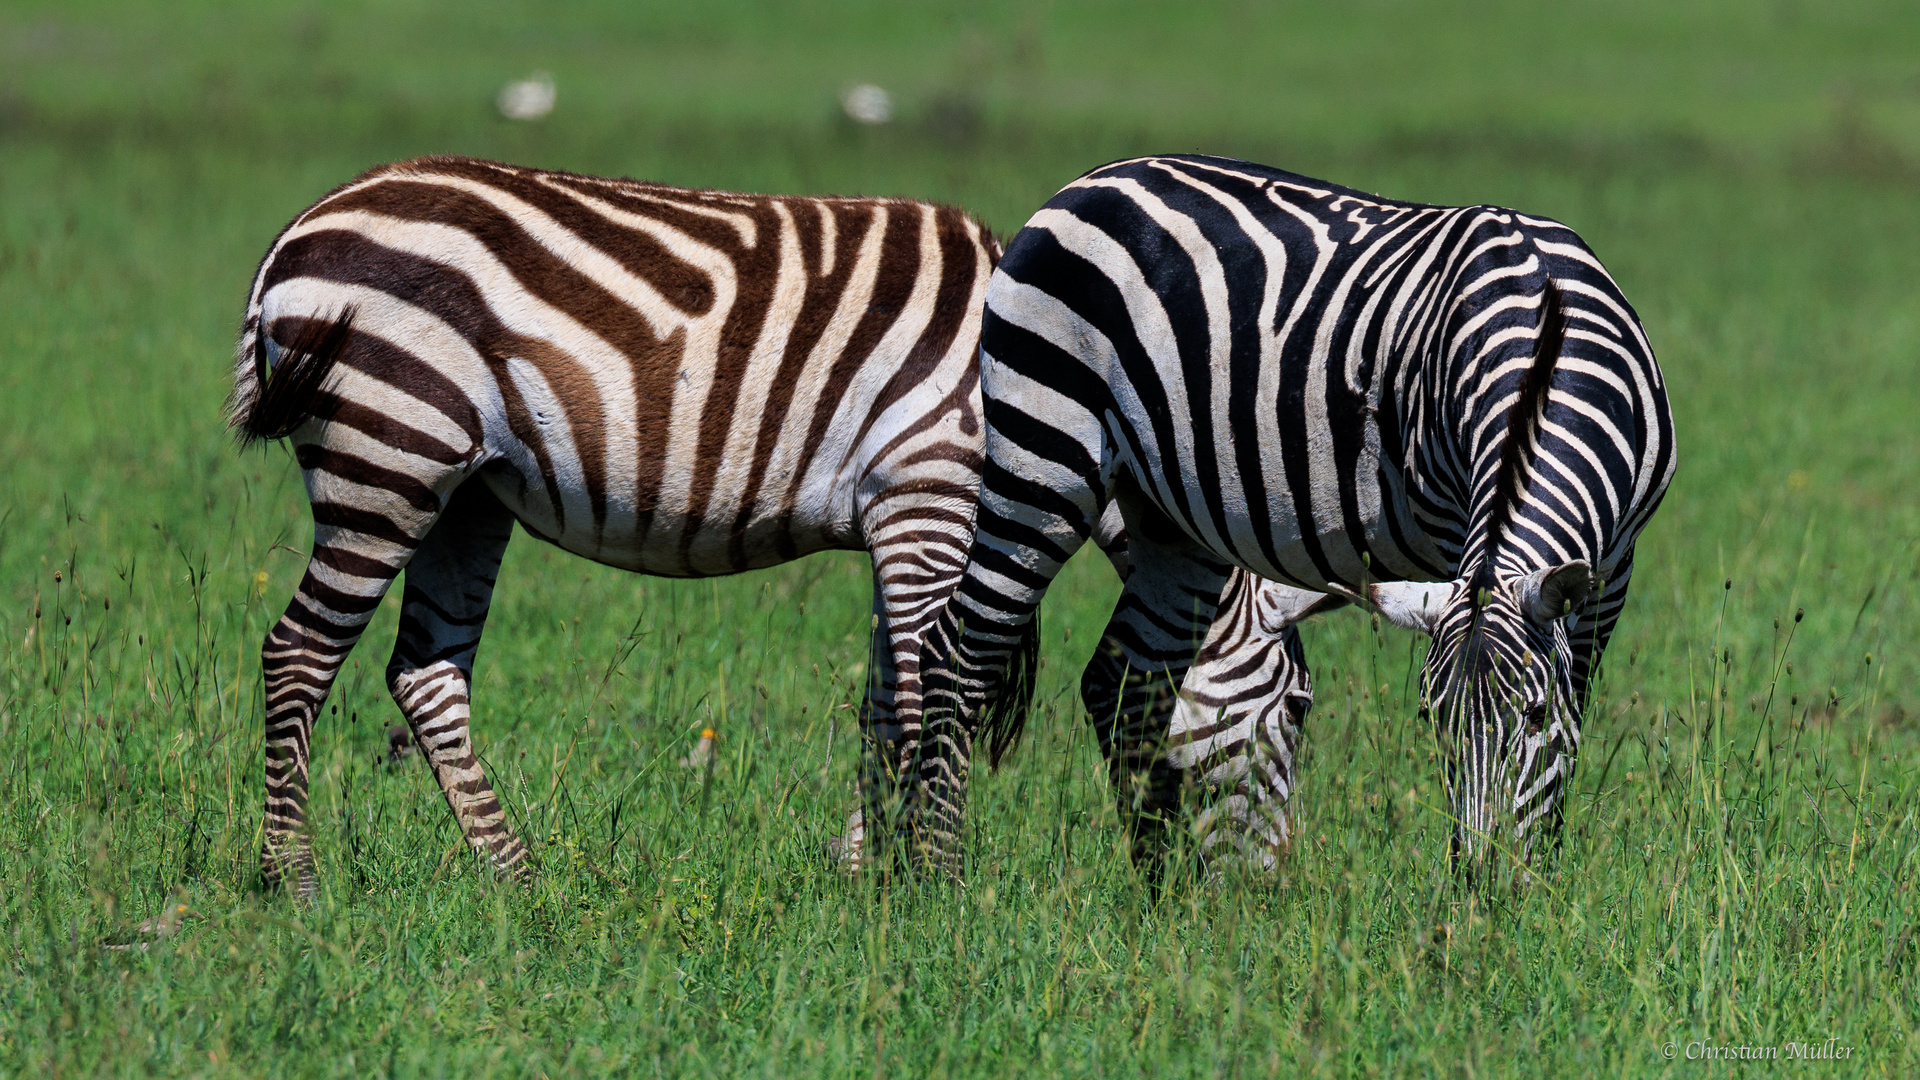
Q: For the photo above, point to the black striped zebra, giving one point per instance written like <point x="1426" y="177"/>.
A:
<point x="684" y="383"/>
<point x="1449" y="414"/>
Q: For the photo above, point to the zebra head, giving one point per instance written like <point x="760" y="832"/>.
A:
<point x="1498" y="686"/>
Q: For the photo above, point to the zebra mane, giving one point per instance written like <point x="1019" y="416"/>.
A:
<point x="1523" y="422"/>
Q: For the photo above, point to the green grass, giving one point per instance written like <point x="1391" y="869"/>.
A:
<point x="1742" y="847"/>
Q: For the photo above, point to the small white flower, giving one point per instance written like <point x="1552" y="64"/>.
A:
<point x="702" y="755"/>
<point x="527" y="99"/>
<point x="867" y="104"/>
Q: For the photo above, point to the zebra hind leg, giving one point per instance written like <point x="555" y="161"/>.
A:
<point x="886" y="736"/>
<point x="880" y="739"/>
<point x="1129" y="687"/>
<point x="347" y="575"/>
<point x="444" y="610"/>
<point x="977" y="665"/>
<point x="916" y="560"/>
<point x="298" y="661"/>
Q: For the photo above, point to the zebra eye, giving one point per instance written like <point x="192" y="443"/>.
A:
<point x="1297" y="706"/>
<point x="1536" y="718"/>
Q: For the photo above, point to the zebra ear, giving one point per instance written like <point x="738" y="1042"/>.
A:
<point x="1548" y="596"/>
<point x="1411" y="605"/>
<point x="1281" y="606"/>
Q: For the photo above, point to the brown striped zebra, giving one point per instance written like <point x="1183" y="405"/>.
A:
<point x="675" y="382"/>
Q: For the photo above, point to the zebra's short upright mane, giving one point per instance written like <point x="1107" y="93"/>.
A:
<point x="1524" y="418"/>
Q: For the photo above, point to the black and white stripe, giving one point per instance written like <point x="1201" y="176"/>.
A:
<point x="1349" y="394"/>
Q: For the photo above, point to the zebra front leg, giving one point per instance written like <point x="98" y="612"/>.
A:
<point x="1592" y="626"/>
<point x="449" y="587"/>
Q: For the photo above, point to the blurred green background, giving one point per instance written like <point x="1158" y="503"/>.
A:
<point x="1741" y="851"/>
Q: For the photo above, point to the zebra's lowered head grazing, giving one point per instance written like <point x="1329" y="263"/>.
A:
<point x="1499" y="689"/>
<point x="1499" y="684"/>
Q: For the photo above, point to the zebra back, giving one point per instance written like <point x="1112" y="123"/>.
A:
<point x="685" y="382"/>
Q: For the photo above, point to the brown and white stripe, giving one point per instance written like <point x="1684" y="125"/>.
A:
<point x="675" y="382"/>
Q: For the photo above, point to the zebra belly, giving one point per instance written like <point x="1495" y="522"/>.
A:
<point x="1313" y="547"/>
<point x="1338" y="558"/>
<point x="645" y="541"/>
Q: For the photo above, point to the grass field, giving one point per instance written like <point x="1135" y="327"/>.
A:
<point x="1742" y="847"/>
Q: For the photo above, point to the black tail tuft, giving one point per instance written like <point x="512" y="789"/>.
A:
<point x="1005" y="718"/>
<point x="284" y="396"/>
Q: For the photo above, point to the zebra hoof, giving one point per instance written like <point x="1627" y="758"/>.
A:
<point x="299" y="884"/>
<point x="290" y="870"/>
<point x="515" y="865"/>
<point x="844" y="852"/>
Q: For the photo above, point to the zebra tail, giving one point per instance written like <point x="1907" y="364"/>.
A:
<point x="1005" y="718"/>
<point x="272" y="399"/>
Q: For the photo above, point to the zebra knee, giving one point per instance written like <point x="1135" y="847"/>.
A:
<point x="1101" y="684"/>
<point x="435" y="701"/>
